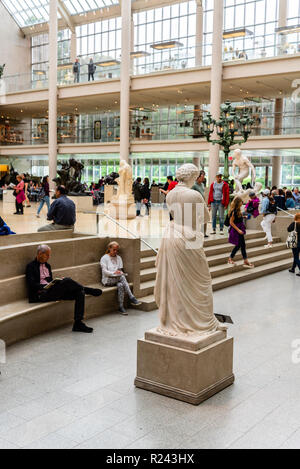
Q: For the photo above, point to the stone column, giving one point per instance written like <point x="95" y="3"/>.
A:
<point x="198" y="59"/>
<point x="276" y="160"/>
<point x="199" y="33"/>
<point x="73" y="46"/>
<point x="282" y="21"/>
<point x="52" y="111"/>
<point x="196" y="161"/>
<point x="132" y="35"/>
<point x="216" y="82"/>
<point x="125" y="81"/>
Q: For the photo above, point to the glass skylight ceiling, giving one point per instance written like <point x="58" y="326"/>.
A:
<point x="31" y="12"/>
<point x="28" y="12"/>
<point x="76" y="7"/>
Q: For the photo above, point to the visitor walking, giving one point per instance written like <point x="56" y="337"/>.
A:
<point x="44" y="195"/>
<point x="138" y="195"/>
<point x="20" y="195"/>
<point x="112" y="274"/>
<point x="295" y="226"/>
<point x="269" y="212"/>
<point x="91" y="70"/>
<point x="62" y="212"/>
<point x="76" y="71"/>
<point x="218" y="201"/>
<point x="146" y="191"/>
<point x="200" y="187"/>
<point x="237" y="231"/>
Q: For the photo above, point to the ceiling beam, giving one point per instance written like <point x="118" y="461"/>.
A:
<point x="66" y="15"/>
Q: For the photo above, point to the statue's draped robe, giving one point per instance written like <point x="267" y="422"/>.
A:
<point x="183" y="290"/>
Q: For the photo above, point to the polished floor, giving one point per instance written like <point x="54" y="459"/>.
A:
<point x="64" y="390"/>
<point x="61" y="390"/>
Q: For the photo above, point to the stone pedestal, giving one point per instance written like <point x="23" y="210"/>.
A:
<point x="191" y="370"/>
<point x="109" y="192"/>
<point x="122" y="209"/>
<point x="8" y="197"/>
<point x="83" y="203"/>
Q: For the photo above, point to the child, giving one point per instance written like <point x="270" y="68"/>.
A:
<point x="252" y="207"/>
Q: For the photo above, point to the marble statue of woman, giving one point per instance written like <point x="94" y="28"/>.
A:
<point x="183" y="289"/>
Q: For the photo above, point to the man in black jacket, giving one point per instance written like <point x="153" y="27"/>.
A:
<point x="39" y="275"/>
<point x="138" y="195"/>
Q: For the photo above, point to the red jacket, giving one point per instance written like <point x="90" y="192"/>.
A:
<point x="225" y="190"/>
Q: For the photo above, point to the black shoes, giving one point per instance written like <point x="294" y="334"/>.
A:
<point x="123" y="311"/>
<point x="292" y="271"/>
<point x="92" y="291"/>
<point x="79" y="326"/>
<point x="134" y="301"/>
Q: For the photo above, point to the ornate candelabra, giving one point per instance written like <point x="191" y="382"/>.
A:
<point x="233" y="127"/>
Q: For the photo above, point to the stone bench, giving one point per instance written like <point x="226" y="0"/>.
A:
<point x="24" y="238"/>
<point x="21" y="320"/>
<point x="77" y="258"/>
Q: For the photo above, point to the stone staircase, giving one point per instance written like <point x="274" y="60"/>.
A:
<point x="267" y="261"/>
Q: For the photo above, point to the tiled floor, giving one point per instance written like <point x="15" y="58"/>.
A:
<point x="64" y="390"/>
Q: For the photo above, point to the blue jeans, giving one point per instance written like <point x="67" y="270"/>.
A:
<point x="45" y="200"/>
<point x="216" y="207"/>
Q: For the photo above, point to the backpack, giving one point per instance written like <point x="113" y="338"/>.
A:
<point x="227" y="220"/>
<point x="75" y="67"/>
<point x="272" y="208"/>
<point x="292" y="239"/>
<point x="250" y="208"/>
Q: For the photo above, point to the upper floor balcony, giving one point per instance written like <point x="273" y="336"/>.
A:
<point x="166" y="57"/>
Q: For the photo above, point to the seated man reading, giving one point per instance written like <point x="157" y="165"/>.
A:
<point x="40" y="289"/>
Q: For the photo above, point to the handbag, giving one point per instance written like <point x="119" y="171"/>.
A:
<point x="292" y="239"/>
<point x="15" y="193"/>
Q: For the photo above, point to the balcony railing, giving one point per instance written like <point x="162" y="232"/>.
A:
<point x="168" y="129"/>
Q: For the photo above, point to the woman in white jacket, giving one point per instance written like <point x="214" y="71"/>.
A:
<point x="112" y="274"/>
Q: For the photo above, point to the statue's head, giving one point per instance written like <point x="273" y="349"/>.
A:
<point x="187" y="174"/>
<point x="237" y="153"/>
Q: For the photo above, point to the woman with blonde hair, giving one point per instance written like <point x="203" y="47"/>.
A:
<point x="237" y="231"/>
<point x="295" y="226"/>
<point x="112" y="274"/>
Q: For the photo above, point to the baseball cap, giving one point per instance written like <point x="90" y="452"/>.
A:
<point x="266" y="192"/>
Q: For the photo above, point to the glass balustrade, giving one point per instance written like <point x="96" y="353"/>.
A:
<point x="166" y="58"/>
<point x="183" y="127"/>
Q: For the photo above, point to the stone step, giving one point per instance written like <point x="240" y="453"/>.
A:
<point x="250" y="274"/>
<point x="147" y="253"/>
<point x="212" y="241"/>
<point x="256" y="251"/>
<point x="226" y="247"/>
<point x="148" y="274"/>
<point x="147" y="288"/>
<point x="267" y="258"/>
<point x="14" y="288"/>
<point x="233" y="276"/>
<point x="148" y="262"/>
<point x="148" y="303"/>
